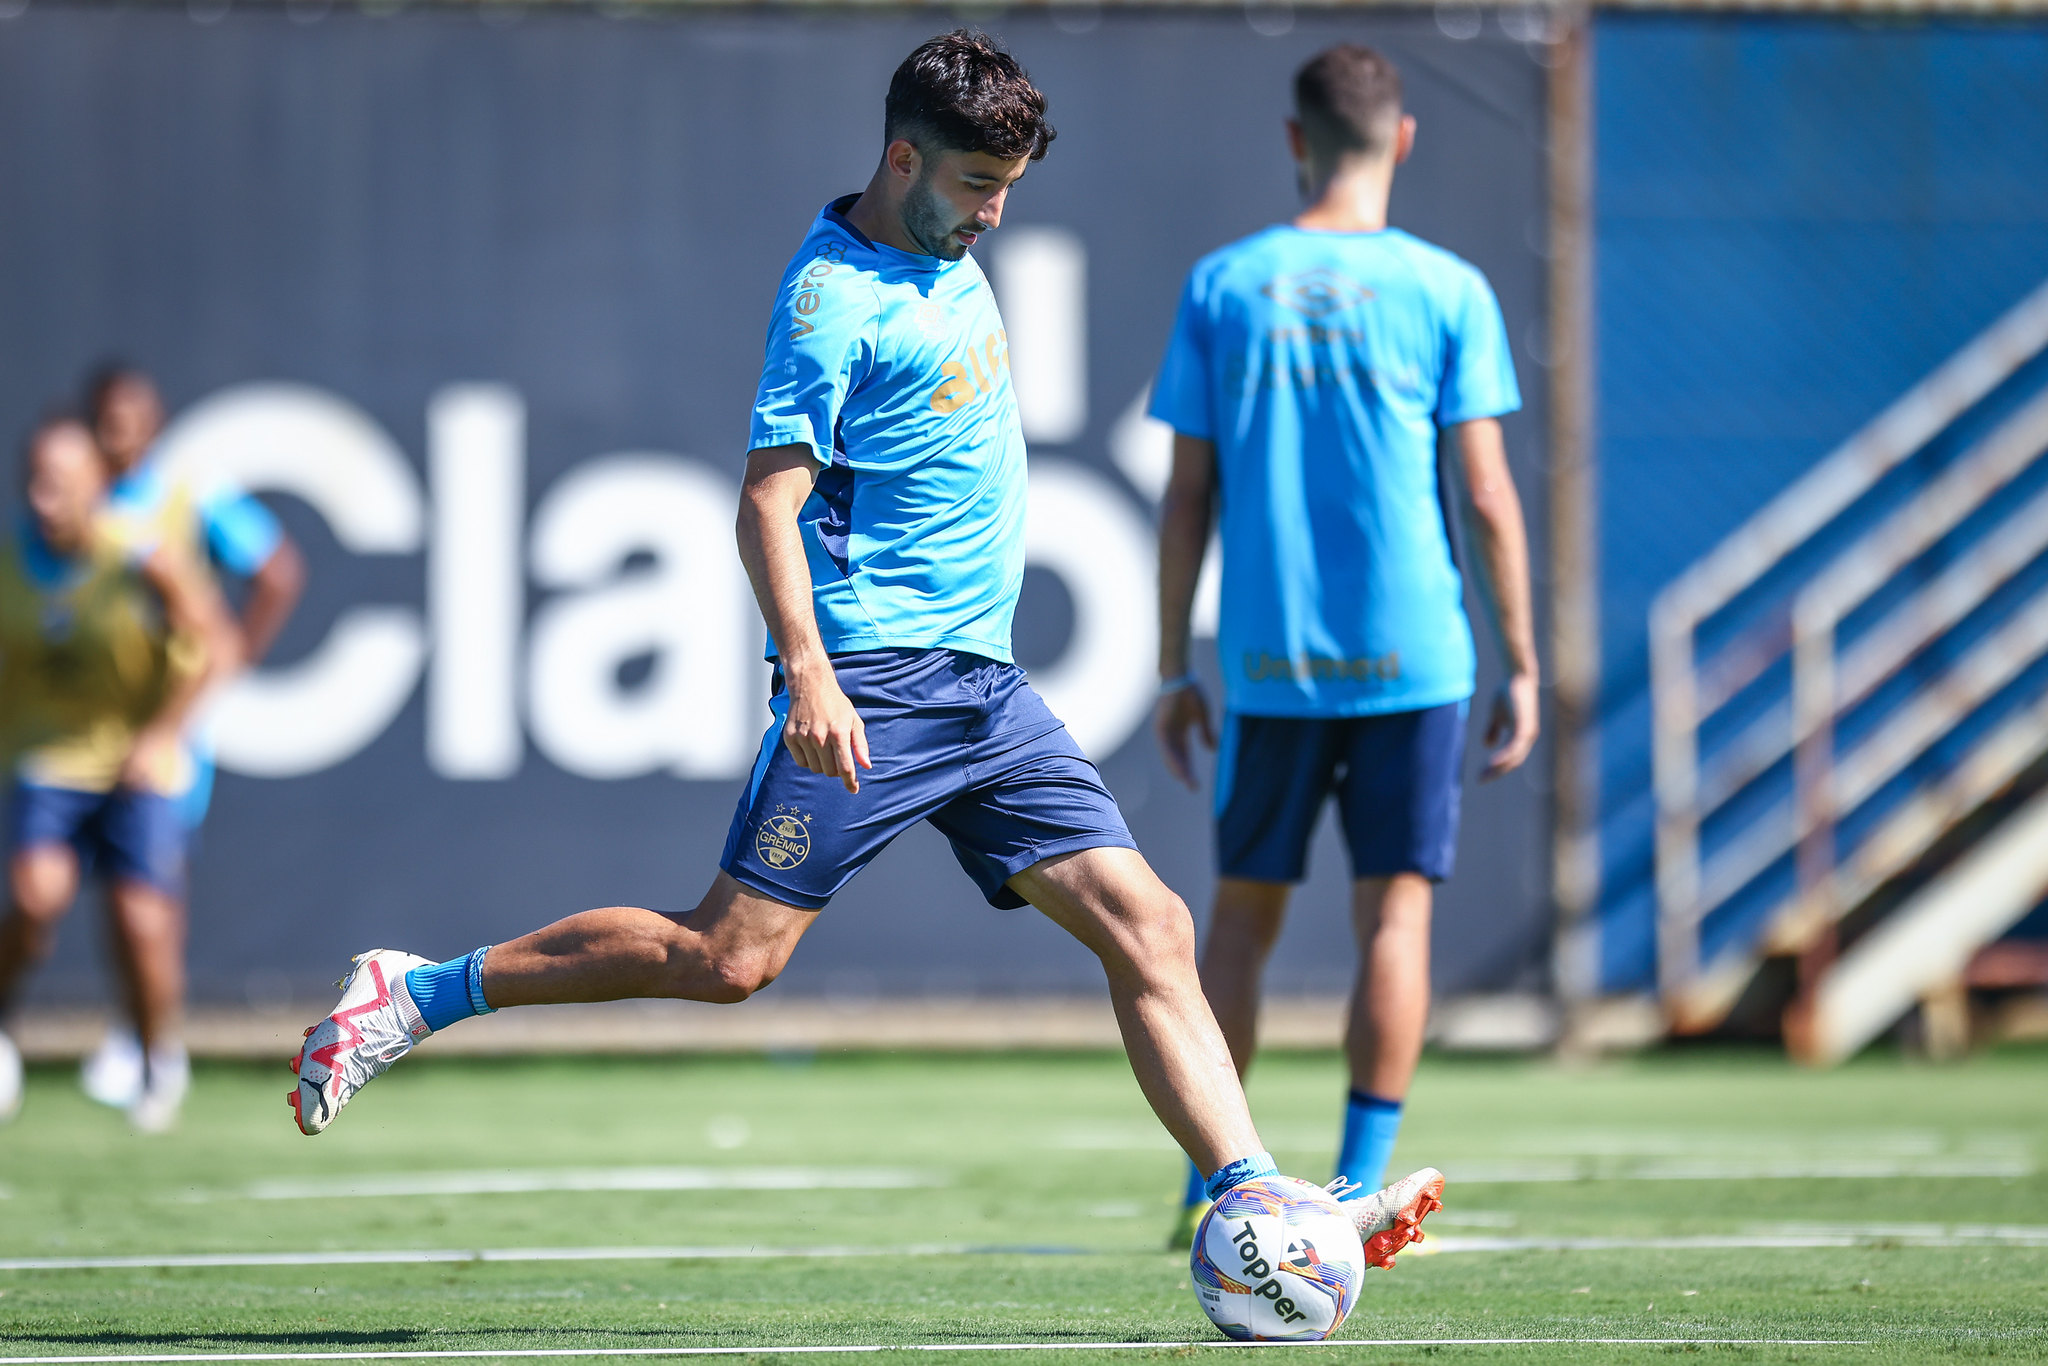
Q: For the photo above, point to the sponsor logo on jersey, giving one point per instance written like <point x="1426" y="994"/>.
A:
<point x="1316" y="293"/>
<point x="1260" y="666"/>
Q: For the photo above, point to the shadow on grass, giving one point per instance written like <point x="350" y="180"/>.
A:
<point x="509" y="1338"/>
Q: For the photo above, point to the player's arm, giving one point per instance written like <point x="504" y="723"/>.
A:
<point x="244" y="536"/>
<point x="205" y="649"/>
<point x="823" y="731"/>
<point x="1494" y="514"/>
<point x="1187" y="512"/>
<point x="274" y="591"/>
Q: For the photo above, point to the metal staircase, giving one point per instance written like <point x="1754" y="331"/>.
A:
<point x="1841" y="685"/>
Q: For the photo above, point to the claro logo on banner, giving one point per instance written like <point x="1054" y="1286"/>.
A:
<point x="631" y="558"/>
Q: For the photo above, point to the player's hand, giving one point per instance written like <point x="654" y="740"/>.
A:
<point x="1176" y="713"/>
<point x="1512" y="729"/>
<point x="823" y="731"/>
<point x="152" y="760"/>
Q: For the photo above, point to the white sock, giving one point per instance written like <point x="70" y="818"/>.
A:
<point x="169" y="1067"/>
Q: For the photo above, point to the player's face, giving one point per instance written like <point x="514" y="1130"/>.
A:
<point x="956" y="197"/>
<point x="66" y="479"/>
<point x="129" y="418"/>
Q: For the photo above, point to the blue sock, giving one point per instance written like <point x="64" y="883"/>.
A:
<point x="449" y="991"/>
<point x="1238" y="1172"/>
<point x="1197" y="1189"/>
<point x="1371" y="1123"/>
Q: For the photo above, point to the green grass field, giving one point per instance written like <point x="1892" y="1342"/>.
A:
<point x="1022" y="1199"/>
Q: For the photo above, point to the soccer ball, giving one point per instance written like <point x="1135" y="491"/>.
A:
<point x="1276" y="1260"/>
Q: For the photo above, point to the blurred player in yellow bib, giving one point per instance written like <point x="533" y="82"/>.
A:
<point x="106" y="646"/>
<point x="224" y="530"/>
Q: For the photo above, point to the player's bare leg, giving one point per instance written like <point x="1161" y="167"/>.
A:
<point x="1111" y="901"/>
<point x="1243" y="927"/>
<point x="734" y="943"/>
<point x="1383" y="1042"/>
<point x="1390" y="998"/>
<point x="42" y="881"/>
<point x="149" y="927"/>
<point x="1244" y="924"/>
<point x="149" y="934"/>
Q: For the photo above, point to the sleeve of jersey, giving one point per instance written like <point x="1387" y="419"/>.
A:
<point x="241" y="533"/>
<point x="820" y="342"/>
<point x="1180" y="396"/>
<point x="1479" y="366"/>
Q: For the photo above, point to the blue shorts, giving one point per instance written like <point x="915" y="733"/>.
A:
<point x="957" y="740"/>
<point x="1395" y="777"/>
<point x="125" y="835"/>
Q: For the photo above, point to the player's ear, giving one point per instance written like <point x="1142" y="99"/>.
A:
<point x="1404" y="139"/>
<point x="1297" y="144"/>
<point x="903" y="159"/>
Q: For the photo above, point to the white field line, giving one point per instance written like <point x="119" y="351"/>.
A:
<point x="1817" y="1236"/>
<point x="815" y="1349"/>
<point x="2025" y="1235"/>
<point x="527" y="1182"/>
<point x="1620" y="1145"/>
<point x="1515" y="1173"/>
<point x="1760" y="1237"/>
<point x="1650" y="1158"/>
<point x="405" y="1256"/>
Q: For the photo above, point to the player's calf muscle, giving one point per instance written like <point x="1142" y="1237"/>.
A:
<point x="623" y="952"/>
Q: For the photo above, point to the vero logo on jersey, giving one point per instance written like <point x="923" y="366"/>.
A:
<point x="1316" y="293"/>
<point x="830" y="255"/>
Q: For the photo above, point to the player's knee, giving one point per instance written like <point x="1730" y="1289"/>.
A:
<point x="738" y="974"/>
<point x="1160" y="934"/>
<point x="40" y="905"/>
<point x="41" y="891"/>
<point x="1403" y="911"/>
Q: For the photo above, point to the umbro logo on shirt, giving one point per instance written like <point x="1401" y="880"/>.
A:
<point x="1316" y="293"/>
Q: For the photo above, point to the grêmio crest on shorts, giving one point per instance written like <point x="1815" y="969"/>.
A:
<point x="893" y="368"/>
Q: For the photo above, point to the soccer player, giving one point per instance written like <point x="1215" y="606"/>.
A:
<point x="881" y="521"/>
<point x="1312" y="367"/>
<point x="215" y="524"/>
<point x="104" y="652"/>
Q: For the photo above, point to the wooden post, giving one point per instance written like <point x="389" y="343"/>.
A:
<point x="1574" y="662"/>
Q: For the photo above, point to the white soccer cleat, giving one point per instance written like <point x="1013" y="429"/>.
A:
<point x="374" y="1025"/>
<point x="10" y="1079"/>
<point x="113" y="1074"/>
<point x="1390" y="1219"/>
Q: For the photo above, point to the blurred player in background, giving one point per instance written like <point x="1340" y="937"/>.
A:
<point x="1311" y="370"/>
<point x="214" y="524"/>
<point x="105" y="650"/>
<point x="882" y="524"/>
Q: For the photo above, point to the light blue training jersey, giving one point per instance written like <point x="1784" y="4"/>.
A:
<point x="1322" y="364"/>
<point x="894" y="369"/>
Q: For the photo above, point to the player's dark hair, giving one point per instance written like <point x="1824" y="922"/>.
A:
<point x="1348" y="101"/>
<point x="100" y="381"/>
<point x="962" y="92"/>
